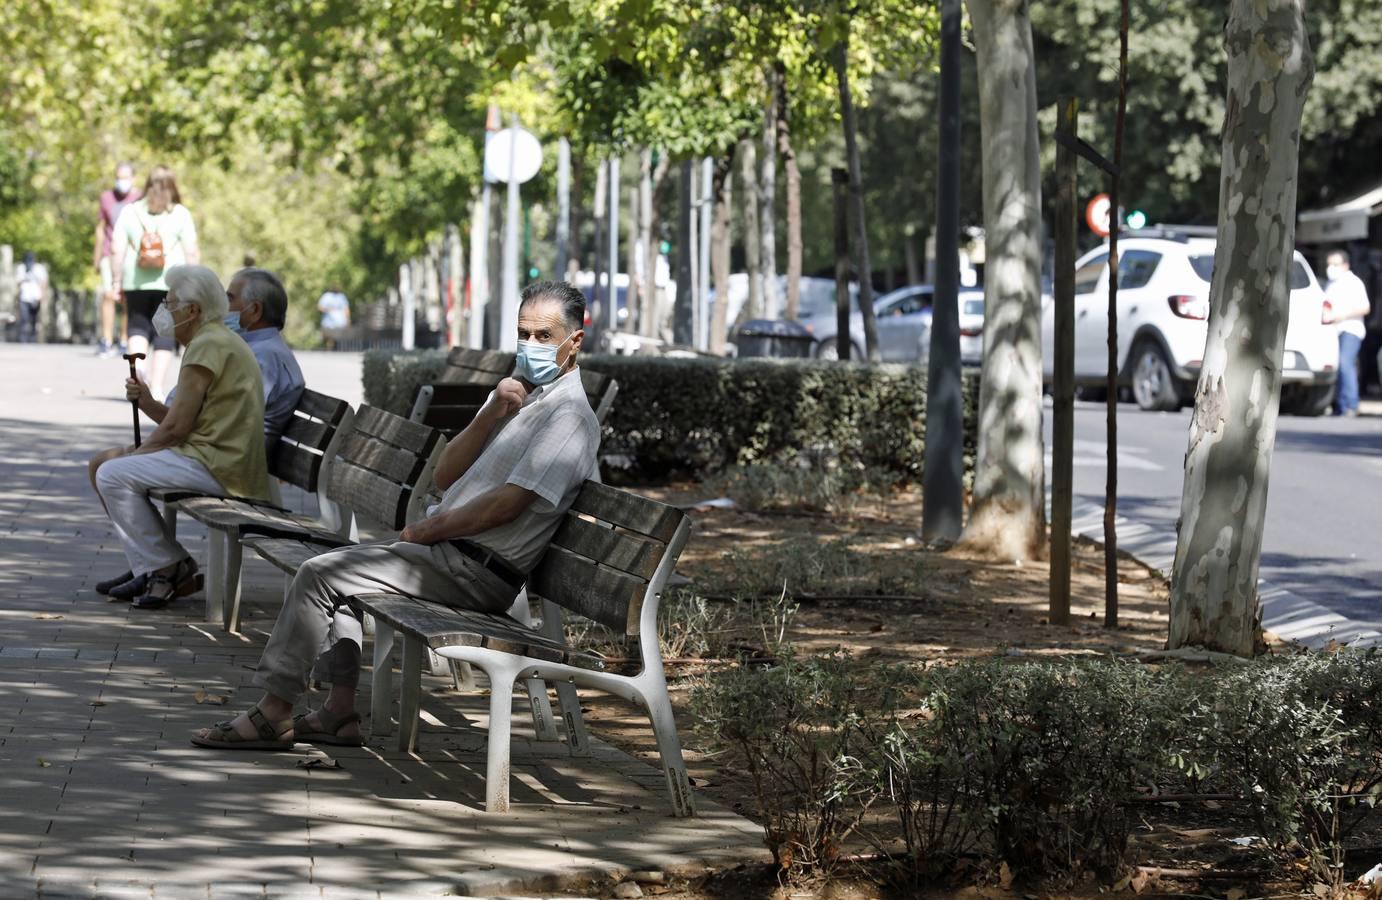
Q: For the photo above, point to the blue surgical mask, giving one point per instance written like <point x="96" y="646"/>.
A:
<point x="537" y="363"/>
<point x="124" y="185"/>
<point x="232" y="321"/>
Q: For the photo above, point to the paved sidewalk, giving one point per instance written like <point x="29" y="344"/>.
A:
<point x="104" y="796"/>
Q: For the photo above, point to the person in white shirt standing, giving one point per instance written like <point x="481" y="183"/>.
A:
<point x="33" y="284"/>
<point x="1345" y="306"/>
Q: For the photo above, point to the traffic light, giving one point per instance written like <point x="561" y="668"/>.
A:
<point x="533" y="272"/>
<point x="1136" y="219"/>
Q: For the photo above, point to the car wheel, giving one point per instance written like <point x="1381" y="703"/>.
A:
<point x="1308" y="400"/>
<point x="828" y="349"/>
<point x="1153" y="386"/>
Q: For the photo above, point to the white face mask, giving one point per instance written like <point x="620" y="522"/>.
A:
<point x="1333" y="273"/>
<point x="165" y="324"/>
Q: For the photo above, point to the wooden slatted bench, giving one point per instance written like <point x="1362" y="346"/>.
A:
<point x="301" y="458"/>
<point x="376" y="475"/>
<point x="470" y="375"/>
<point x="609" y="561"/>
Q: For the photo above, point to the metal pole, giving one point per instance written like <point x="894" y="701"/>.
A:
<point x="681" y="323"/>
<point x="612" y="296"/>
<point x="455" y="282"/>
<point x="707" y="209"/>
<point x="942" y="515"/>
<point x="1063" y="380"/>
<point x="405" y="292"/>
<point x="479" y="270"/>
<point x="839" y="178"/>
<point x="563" y="208"/>
<point x="508" y="312"/>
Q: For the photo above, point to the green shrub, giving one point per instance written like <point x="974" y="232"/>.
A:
<point x="807" y="731"/>
<point x="696" y="417"/>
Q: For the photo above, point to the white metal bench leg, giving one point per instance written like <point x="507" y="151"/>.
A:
<point x="215" y="574"/>
<point x="410" y="692"/>
<point x="659" y="708"/>
<point x="501" y="679"/>
<point x="544" y="724"/>
<point x="381" y="685"/>
<point x="232" y="559"/>
<point x="577" y="740"/>
<point x="436" y="665"/>
<point x="463" y="676"/>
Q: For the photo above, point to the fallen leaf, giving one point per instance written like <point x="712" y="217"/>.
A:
<point x="47" y="616"/>
<point x="1005" y="876"/>
<point x="318" y="763"/>
<point x="44" y="764"/>
<point x="97" y="703"/>
<point x="215" y="699"/>
<point x="1139" y="881"/>
<point x="1235" y="894"/>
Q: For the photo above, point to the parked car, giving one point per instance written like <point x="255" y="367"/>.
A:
<point x="902" y="316"/>
<point x="1163" y="304"/>
<point x="971" y="330"/>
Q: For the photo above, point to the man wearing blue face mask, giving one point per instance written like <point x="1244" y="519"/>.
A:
<point x="258" y="307"/>
<point x="508" y="479"/>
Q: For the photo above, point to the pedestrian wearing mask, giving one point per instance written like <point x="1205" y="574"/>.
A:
<point x="113" y="202"/>
<point x="1346" y="306"/>
<point x="152" y="235"/>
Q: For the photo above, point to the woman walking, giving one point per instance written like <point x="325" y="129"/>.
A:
<point x="152" y="235"/>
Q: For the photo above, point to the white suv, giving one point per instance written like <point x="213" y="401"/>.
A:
<point x="1163" y="305"/>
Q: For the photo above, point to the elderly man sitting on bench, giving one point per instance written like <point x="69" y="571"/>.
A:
<point x="508" y="478"/>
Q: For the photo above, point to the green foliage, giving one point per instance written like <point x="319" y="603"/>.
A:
<point x="807" y="731"/>
<point x="696" y="417"/>
<point x="1035" y="764"/>
<point x="822" y="486"/>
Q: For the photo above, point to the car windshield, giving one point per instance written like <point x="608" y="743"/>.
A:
<point x="1204" y="267"/>
<point x="820" y="301"/>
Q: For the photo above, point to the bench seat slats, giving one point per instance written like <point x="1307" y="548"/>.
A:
<point x="236" y="515"/>
<point x="464" y="364"/>
<point x="287" y="554"/>
<point x="606" y="595"/>
<point x="639" y="514"/>
<point x="321" y="406"/>
<point x="444" y="626"/>
<point x="370" y="494"/>
<point x="186" y="499"/>
<point x="309" y="433"/>
<point x="296" y="465"/>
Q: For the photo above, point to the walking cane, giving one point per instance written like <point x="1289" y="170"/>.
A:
<point x="131" y="357"/>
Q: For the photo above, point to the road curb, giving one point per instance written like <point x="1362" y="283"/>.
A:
<point x="1285" y="614"/>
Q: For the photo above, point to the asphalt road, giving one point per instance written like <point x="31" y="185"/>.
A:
<point x="1324" y="505"/>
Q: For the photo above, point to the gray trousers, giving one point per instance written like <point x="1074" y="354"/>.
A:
<point x="317" y="634"/>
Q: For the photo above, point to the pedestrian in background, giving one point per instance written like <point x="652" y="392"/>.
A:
<point x="113" y="201"/>
<point x="1345" y="306"/>
<point x="335" y="310"/>
<point x="152" y="235"/>
<point x="32" y="277"/>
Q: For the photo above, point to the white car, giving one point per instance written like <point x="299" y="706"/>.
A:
<point x="971" y="329"/>
<point x="1163" y="305"/>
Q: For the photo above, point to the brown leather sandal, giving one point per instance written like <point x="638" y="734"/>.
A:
<point x="223" y="736"/>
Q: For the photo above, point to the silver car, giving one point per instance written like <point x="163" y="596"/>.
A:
<point x="971" y="330"/>
<point x="903" y="316"/>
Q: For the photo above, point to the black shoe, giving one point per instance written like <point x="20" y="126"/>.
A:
<point x="130" y="589"/>
<point x="165" y="588"/>
<point x="103" y="587"/>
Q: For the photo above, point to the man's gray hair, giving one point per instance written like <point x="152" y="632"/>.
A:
<point x="199" y="285"/>
<point x="265" y="288"/>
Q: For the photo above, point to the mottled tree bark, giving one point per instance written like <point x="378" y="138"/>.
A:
<point x="793" y="190"/>
<point x="720" y="239"/>
<point x="767" y="205"/>
<point x="1214" y="602"/>
<point x="748" y="202"/>
<point x="856" y="196"/>
<point x="1008" y="510"/>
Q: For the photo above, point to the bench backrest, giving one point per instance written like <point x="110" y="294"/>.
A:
<point x="466" y="366"/>
<point x="452" y="406"/>
<point x="611" y="557"/>
<point x="382" y="465"/>
<point x="307" y="439"/>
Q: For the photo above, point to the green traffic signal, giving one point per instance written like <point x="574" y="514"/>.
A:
<point x="1136" y="219"/>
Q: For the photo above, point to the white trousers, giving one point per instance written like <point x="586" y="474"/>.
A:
<point x="124" y="485"/>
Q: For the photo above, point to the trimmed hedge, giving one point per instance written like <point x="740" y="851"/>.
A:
<point x="697" y="417"/>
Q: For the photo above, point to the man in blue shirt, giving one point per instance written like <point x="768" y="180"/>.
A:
<point x="258" y="310"/>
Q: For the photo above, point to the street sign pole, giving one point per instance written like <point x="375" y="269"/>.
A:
<point x="1063" y="382"/>
<point x="508" y="319"/>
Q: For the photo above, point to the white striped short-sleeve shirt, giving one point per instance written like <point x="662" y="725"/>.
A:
<point x="549" y="447"/>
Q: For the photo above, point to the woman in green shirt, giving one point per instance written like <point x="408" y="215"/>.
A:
<point x="151" y="235"/>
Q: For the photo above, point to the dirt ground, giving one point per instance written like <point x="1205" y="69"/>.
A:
<point x="896" y="599"/>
